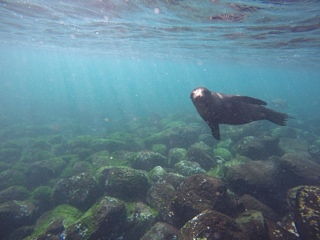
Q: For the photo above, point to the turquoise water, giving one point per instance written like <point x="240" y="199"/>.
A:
<point x="123" y="59"/>
<point x="55" y="85"/>
<point x="85" y="85"/>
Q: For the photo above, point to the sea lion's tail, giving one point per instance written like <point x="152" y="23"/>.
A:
<point x="277" y="117"/>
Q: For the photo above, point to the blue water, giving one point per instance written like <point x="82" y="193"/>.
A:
<point x="124" y="59"/>
<point x="55" y="85"/>
<point x="105" y="65"/>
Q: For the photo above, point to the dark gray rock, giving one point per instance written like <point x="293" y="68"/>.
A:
<point x="159" y="197"/>
<point x="254" y="224"/>
<point x="258" y="148"/>
<point x="260" y="179"/>
<point x="140" y="218"/>
<point x="196" y="194"/>
<point x="251" y="203"/>
<point x="41" y="172"/>
<point x="10" y="178"/>
<point x="188" y="168"/>
<point x="212" y="225"/>
<point x="124" y="183"/>
<point x="161" y="231"/>
<point x="198" y="155"/>
<point x="176" y="155"/>
<point x="307" y="212"/>
<point x="298" y="147"/>
<point x="80" y="191"/>
<point x="105" y="220"/>
<point x="147" y="160"/>
<point x="297" y="170"/>
<point x="14" y="193"/>
<point x="257" y="177"/>
<point x="14" y="214"/>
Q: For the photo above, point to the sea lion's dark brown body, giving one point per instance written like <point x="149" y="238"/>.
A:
<point x="217" y="108"/>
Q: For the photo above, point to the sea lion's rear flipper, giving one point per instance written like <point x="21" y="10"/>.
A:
<point x="215" y="131"/>
<point x="246" y="99"/>
<point x="277" y="117"/>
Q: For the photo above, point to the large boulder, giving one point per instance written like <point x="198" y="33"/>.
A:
<point x="10" y="178"/>
<point x="14" y="193"/>
<point x="124" y="183"/>
<point x="258" y="148"/>
<point x="159" y="197"/>
<point x="262" y="180"/>
<point x="80" y="191"/>
<point x="188" y="168"/>
<point x="105" y="220"/>
<point x="176" y="155"/>
<point x="140" y="218"/>
<point x="307" y="212"/>
<point x="212" y="225"/>
<point x="254" y="224"/>
<point x="196" y="154"/>
<point x="41" y="172"/>
<point x="196" y="194"/>
<point x="297" y="170"/>
<point x="161" y="231"/>
<point x="147" y="160"/>
<point x="14" y="214"/>
<point x="251" y="203"/>
<point x="52" y="224"/>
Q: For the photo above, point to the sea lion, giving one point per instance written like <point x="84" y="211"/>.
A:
<point x="217" y="108"/>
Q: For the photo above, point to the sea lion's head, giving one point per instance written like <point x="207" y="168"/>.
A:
<point x="200" y="94"/>
<point x="202" y="99"/>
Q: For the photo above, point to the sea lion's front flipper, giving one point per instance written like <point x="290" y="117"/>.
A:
<point x="215" y="131"/>
<point x="246" y="99"/>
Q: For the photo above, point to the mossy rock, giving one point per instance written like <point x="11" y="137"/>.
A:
<point x="236" y="161"/>
<point x="80" y="191"/>
<point x="222" y="152"/>
<point x="188" y="168"/>
<point x="14" y="193"/>
<point x="42" y="194"/>
<point x="159" y="148"/>
<point x="64" y="212"/>
<point x="156" y="174"/>
<point x="140" y="218"/>
<point x="80" y="142"/>
<point x="175" y="124"/>
<point x="105" y="220"/>
<point x="176" y="155"/>
<point x="9" y="155"/>
<point x="108" y="145"/>
<point x="104" y="159"/>
<point x="124" y="183"/>
<point x="219" y="171"/>
<point x="82" y="167"/>
<point x="146" y="160"/>
<point x="10" y="178"/>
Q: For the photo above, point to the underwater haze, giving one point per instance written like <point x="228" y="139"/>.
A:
<point x="98" y="59"/>
<point x="120" y="72"/>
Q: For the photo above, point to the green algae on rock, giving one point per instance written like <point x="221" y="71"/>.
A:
<point x="188" y="168"/>
<point x="211" y="225"/>
<point x="105" y="220"/>
<point x="222" y="152"/>
<point x="124" y="183"/>
<point x="307" y="212"/>
<point x="146" y="160"/>
<point x="140" y="218"/>
<point x="64" y="213"/>
<point x="80" y="191"/>
<point x="176" y="155"/>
